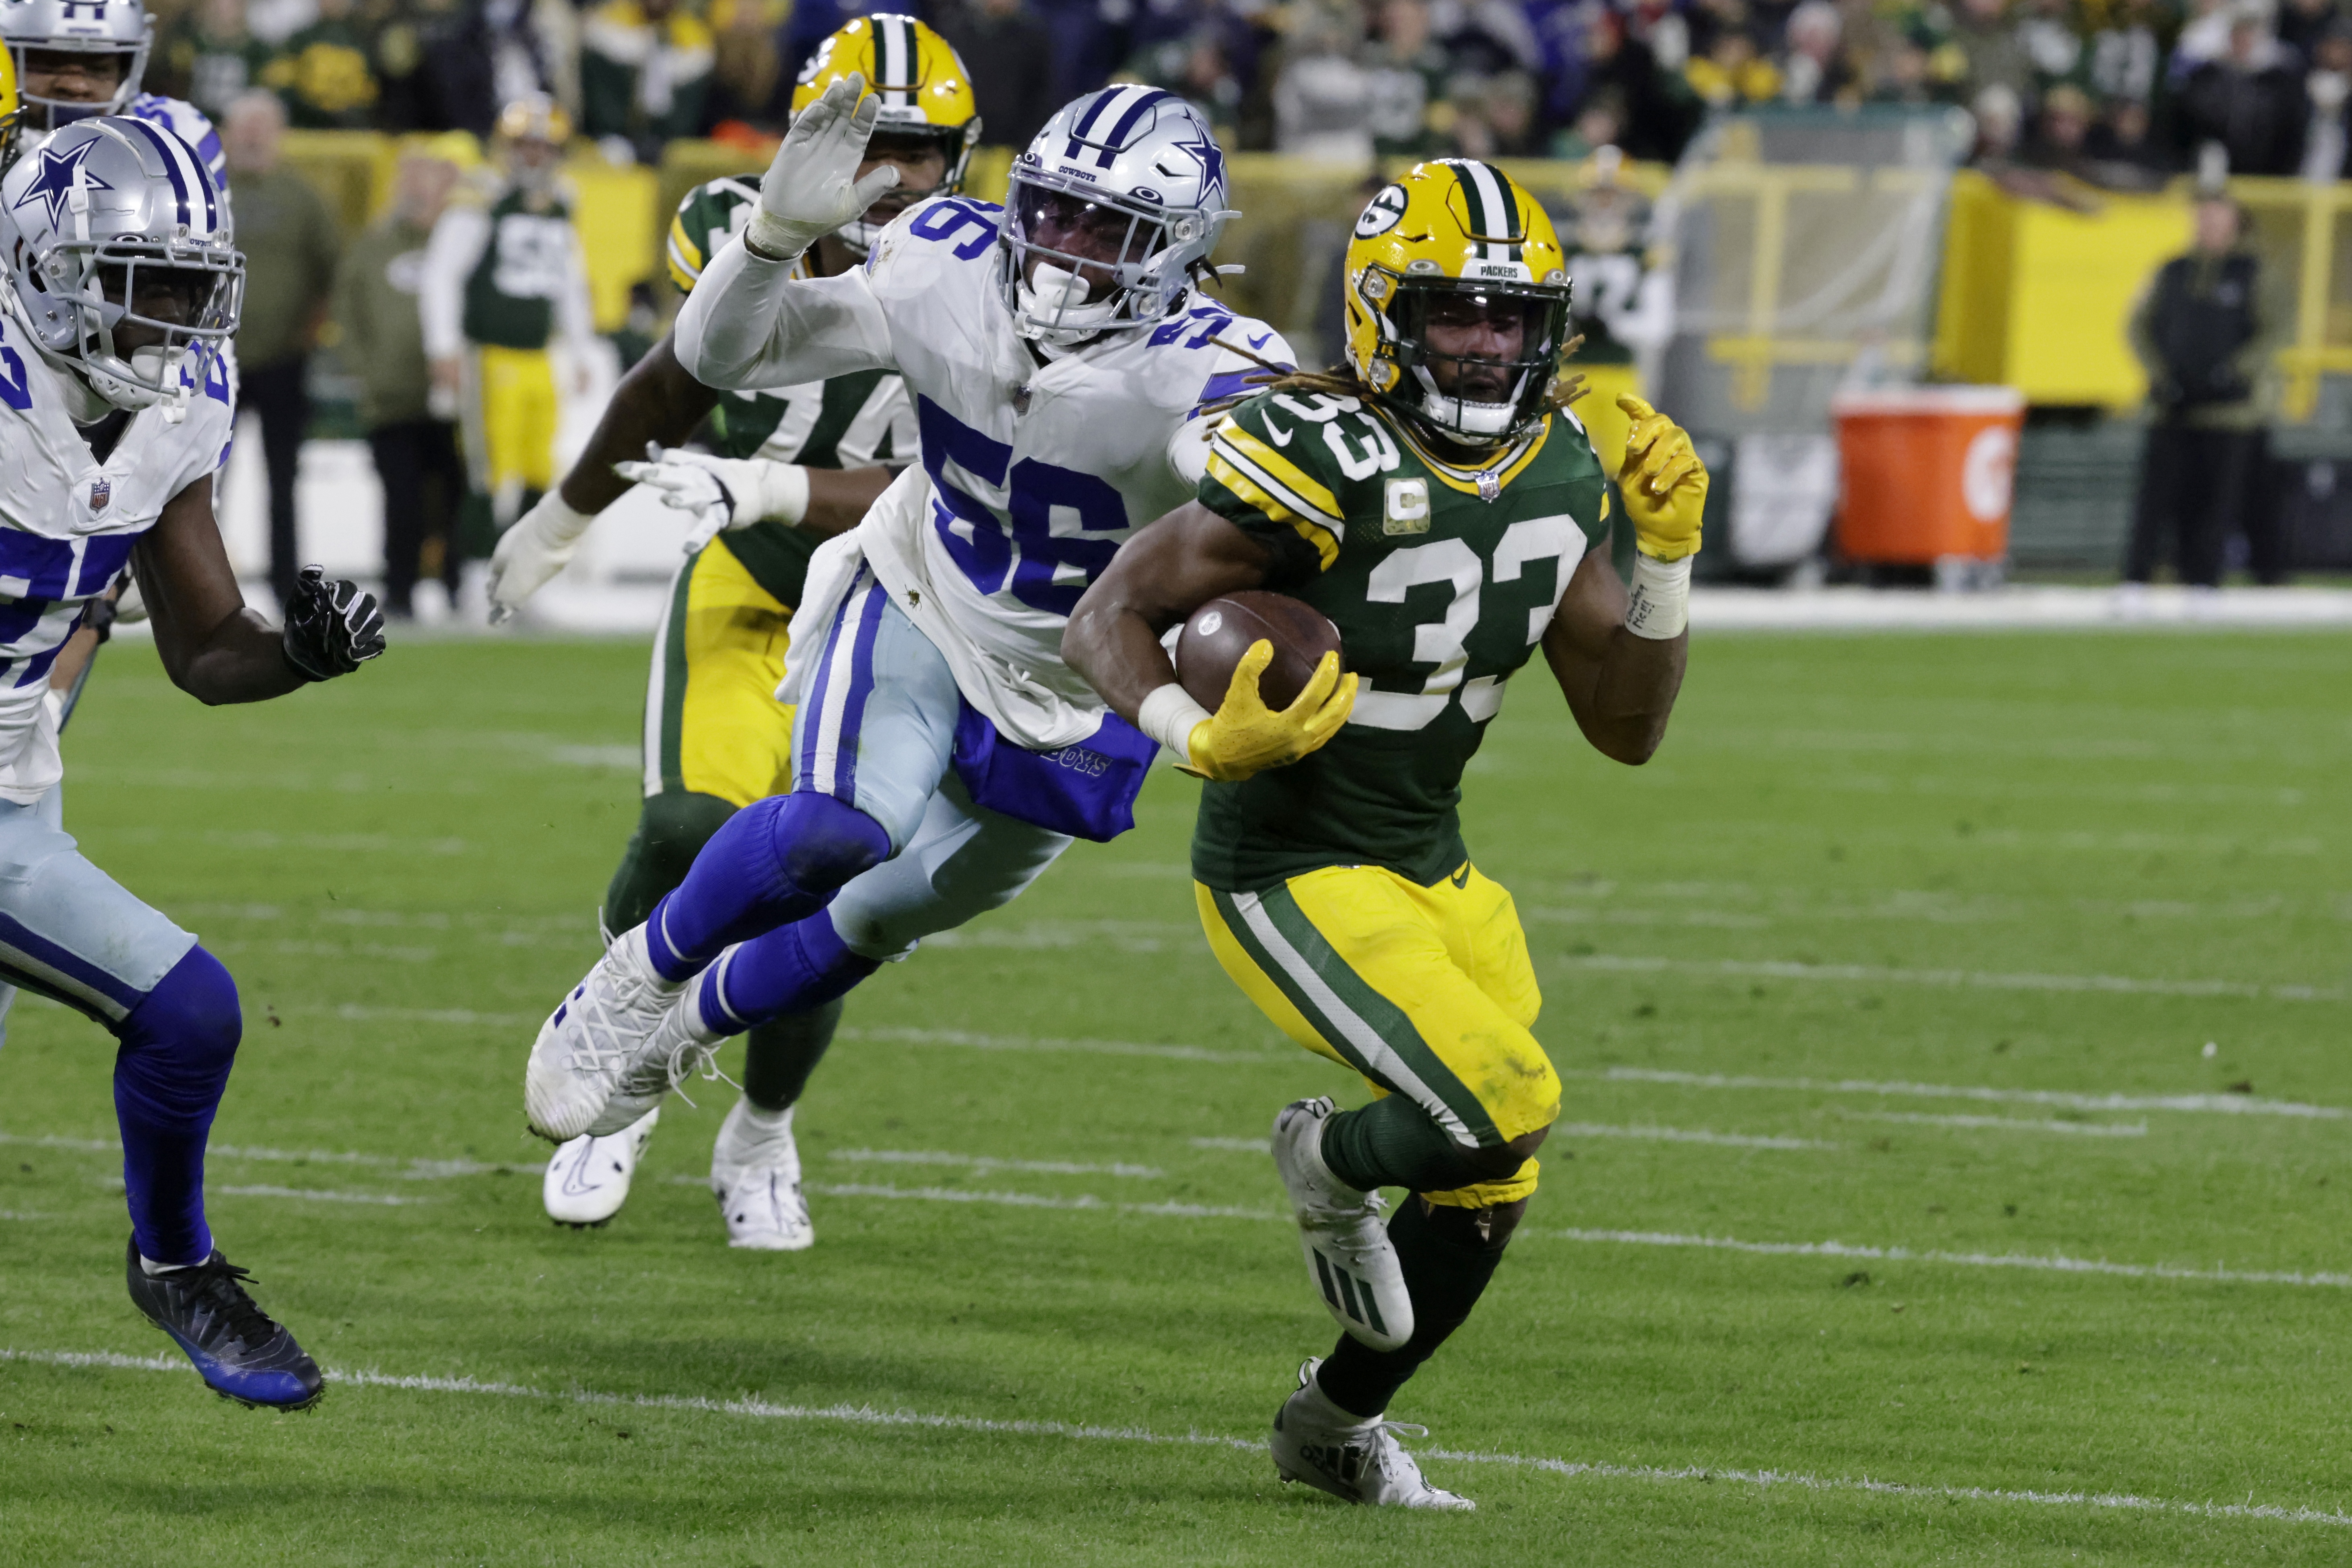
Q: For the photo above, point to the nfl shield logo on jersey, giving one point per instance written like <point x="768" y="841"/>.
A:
<point x="101" y="492"/>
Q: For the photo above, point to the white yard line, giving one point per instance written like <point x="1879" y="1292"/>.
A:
<point x="2007" y="1123"/>
<point x="2053" y="1263"/>
<point x="1977" y="980"/>
<point x="2214" y="1104"/>
<point x="867" y="1415"/>
<point x="1039" y="1043"/>
<point x="1686" y="1135"/>
<point x="987" y="1162"/>
<point x="1234" y="1145"/>
<point x="317" y="1195"/>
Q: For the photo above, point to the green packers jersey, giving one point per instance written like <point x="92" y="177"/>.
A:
<point x="1441" y="579"/>
<point x="853" y="421"/>
<point x="511" y="293"/>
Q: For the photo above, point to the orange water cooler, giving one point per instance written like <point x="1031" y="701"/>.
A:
<point x="1928" y="473"/>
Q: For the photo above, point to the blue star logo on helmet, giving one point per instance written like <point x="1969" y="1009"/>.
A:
<point x="60" y="174"/>
<point x="1203" y="149"/>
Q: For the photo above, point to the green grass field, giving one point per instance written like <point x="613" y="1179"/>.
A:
<point x="1912" y="946"/>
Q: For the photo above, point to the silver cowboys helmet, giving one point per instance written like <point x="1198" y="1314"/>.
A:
<point x="1128" y="180"/>
<point x="119" y="28"/>
<point x="101" y="214"/>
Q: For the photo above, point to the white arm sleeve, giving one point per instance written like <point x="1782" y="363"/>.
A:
<point x="749" y="324"/>
<point x="450" y="256"/>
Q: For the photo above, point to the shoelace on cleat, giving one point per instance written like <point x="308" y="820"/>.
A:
<point x="218" y="1286"/>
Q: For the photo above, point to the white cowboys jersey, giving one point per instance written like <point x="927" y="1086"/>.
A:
<point x="67" y="525"/>
<point x="1032" y="476"/>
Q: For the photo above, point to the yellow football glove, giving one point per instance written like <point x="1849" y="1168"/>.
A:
<point x="1244" y="736"/>
<point x="1663" y="482"/>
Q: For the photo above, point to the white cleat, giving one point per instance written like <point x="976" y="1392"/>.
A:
<point x="755" y="1175"/>
<point x="1349" y="1255"/>
<point x="1354" y="1459"/>
<point x="577" y="1061"/>
<point x="677" y="1046"/>
<point x="588" y="1180"/>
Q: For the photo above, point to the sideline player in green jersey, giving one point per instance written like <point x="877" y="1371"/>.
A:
<point x="794" y="466"/>
<point x="1440" y="505"/>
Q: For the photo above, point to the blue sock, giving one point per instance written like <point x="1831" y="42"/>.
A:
<point x="176" y="1049"/>
<point x="776" y="861"/>
<point x="804" y="965"/>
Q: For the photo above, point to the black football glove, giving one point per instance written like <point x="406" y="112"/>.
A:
<point x="331" y="629"/>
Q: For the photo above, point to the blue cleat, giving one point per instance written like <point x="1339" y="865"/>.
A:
<point x="241" y="1352"/>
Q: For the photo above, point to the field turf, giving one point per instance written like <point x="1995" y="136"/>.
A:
<point x="1953" y="1166"/>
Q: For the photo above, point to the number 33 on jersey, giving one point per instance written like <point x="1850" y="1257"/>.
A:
<point x="1442" y="579"/>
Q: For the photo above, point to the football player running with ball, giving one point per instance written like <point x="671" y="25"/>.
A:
<point x="795" y="466"/>
<point x="1057" y="353"/>
<point x="122" y="287"/>
<point x="1440" y="505"/>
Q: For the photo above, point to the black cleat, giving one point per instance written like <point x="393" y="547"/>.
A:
<point x="240" y="1352"/>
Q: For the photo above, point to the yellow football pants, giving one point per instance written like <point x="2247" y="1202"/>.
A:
<point x="511" y="415"/>
<point x="713" y="725"/>
<point x="1427" y="992"/>
<point x="1603" y="420"/>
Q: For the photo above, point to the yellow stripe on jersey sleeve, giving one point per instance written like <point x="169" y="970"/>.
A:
<point x="1315" y="531"/>
<point x="1279" y="488"/>
<point x="685" y="256"/>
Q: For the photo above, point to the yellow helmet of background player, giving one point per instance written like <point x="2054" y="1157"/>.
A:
<point x="11" y="106"/>
<point x="1453" y="230"/>
<point x="534" y="117"/>
<point x="925" y="90"/>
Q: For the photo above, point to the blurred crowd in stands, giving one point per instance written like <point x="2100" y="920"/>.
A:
<point x="2122" y="93"/>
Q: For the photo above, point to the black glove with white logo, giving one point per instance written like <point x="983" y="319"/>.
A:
<point x="331" y="629"/>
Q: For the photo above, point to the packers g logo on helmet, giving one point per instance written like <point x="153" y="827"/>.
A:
<point x="1454" y="226"/>
<point x="925" y="90"/>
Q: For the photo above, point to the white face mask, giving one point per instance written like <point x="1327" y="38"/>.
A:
<point x="1054" y="307"/>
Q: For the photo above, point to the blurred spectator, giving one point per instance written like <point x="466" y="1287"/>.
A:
<point x="2125" y="141"/>
<point x="2203" y="37"/>
<point x="291" y="245"/>
<point x="1731" y="74"/>
<point x="645" y="69"/>
<point x="2001" y="123"/>
<point x="1817" y="71"/>
<point x="2062" y="133"/>
<point x="1322" y="99"/>
<point x="2054" y="49"/>
<point x="2207" y="335"/>
<point x="747" y="75"/>
<point x="1407" y="77"/>
<point x="383" y="342"/>
<point x="1659" y="111"/>
<point x="2250" y="101"/>
<point x="1495" y="117"/>
<point x="1196" y="67"/>
<point x="2125" y="52"/>
<point x="2328" y="88"/>
<point x="208" y="57"/>
<point x="2302" y="24"/>
<point x="1995" y="58"/>
<point x="1011" y="65"/>
<point x="323" y="73"/>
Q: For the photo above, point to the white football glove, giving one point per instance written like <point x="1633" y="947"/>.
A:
<point x="812" y="186"/>
<point x="532" y="551"/>
<point x="719" y="492"/>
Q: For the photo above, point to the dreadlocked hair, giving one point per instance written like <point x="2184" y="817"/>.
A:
<point x="1341" y="381"/>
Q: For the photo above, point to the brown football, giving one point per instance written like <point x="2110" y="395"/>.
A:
<point x="1222" y="630"/>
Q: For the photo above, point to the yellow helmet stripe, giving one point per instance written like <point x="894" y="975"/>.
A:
<point x="685" y="256"/>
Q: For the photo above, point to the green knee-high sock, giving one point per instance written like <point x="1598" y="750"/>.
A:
<point x="1394" y="1143"/>
<point x="672" y="829"/>
<point x="1449" y="1255"/>
<point x="779" y="1056"/>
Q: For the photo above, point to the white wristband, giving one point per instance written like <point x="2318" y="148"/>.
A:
<point x="770" y="239"/>
<point x="1659" y="606"/>
<point x="784" y="493"/>
<point x="561" y="524"/>
<point x="1169" y="716"/>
